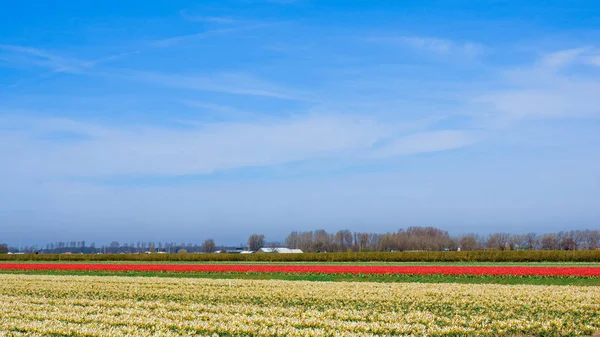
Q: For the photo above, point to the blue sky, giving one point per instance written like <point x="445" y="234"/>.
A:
<point x="180" y="121"/>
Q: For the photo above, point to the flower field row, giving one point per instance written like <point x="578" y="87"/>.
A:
<point x="42" y="305"/>
<point x="323" y="269"/>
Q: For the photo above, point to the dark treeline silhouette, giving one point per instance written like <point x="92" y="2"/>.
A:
<point x="410" y="239"/>
<point x="81" y="247"/>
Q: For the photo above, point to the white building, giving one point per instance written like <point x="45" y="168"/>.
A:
<point x="280" y="250"/>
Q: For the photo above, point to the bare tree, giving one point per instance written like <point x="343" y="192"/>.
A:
<point x="469" y="242"/>
<point x="567" y="241"/>
<point x="322" y="241"/>
<point x="208" y="246"/>
<point x="591" y="239"/>
<point x="549" y="242"/>
<point x="306" y="241"/>
<point x="515" y="241"/>
<point x="256" y="241"/>
<point x="363" y="241"/>
<point x="387" y="242"/>
<point x="530" y="241"/>
<point x="343" y="240"/>
<point x="498" y="241"/>
<point x="293" y="240"/>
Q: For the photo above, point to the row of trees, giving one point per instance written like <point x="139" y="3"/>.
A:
<point x="434" y="239"/>
<point x="81" y="247"/>
<point x="410" y="239"/>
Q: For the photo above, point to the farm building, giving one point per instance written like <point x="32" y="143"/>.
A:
<point x="234" y="251"/>
<point x="280" y="250"/>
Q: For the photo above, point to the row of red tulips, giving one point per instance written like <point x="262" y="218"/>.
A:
<point x="403" y="270"/>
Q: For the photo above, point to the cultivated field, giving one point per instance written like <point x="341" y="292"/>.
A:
<point x="42" y="305"/>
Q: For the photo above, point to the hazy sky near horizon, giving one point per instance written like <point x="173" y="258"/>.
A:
<point x="185" y="120"/>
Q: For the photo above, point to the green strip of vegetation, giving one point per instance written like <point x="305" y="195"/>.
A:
<point x="430" y="256"/>
<point x="465" y="279"/>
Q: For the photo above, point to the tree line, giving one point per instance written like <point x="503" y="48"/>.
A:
<point x="114" y="247"/>
<point x="434" y="239"/>
<point x="410" y="239"/>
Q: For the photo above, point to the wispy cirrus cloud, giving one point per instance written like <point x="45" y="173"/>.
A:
<point x="581" y="56"/>
<point x="220" y="111"/>
<point x="433" y="45"/>
<point x="562" y="58"/>
<point x="541" y="91"/>
<point x="211" y="19"/>
<point x="104" y="151"/>
<point x="425" y="142"/>
<point x="51" y="63"/>
<point x="30" y="56"/>
<point x="170" y="41"/>
<point x="231" y="83"/>
<point x="174" y="40"/>
<point x="207" y="18"/>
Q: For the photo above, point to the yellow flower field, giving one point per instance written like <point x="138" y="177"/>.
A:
<point x="35" y="305"/>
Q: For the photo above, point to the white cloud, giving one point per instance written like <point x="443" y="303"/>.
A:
<point x="56" y="63"/>
<point x="425" y="142"/>
<point x="204" y="150"/>
<point x="41" y="58"/>
<point x="559" y="101"/>
<point x="439" y="46"/>
<point x="222" y="111"/>
<point x="594" y="60"/>
<point x="232" y="83"/>
<point x="170" y="41"/>
<point x="539" y="91"/>
<point x="561" y="58"/>
<point x="108" y="151"/>
<point x="434" y="45"/>
<point x="174" y="40"/>
<point x="207" y="19"/>
<point x="212" y="19"/>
